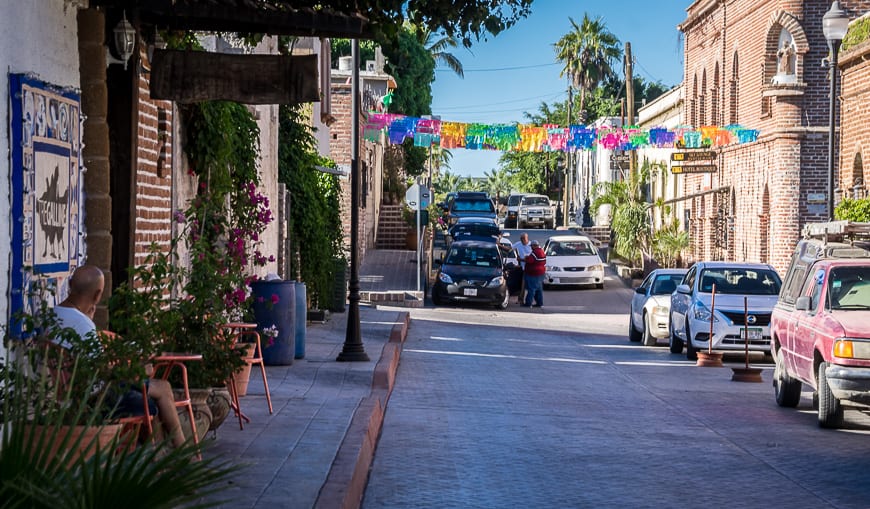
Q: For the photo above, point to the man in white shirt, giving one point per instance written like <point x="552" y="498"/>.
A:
<point x="523" y="249"/>
<point x="77" y="312"/>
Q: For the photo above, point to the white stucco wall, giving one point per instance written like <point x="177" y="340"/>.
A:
<point x="38" y="38"/>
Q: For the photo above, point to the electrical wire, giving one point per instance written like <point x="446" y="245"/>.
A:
<point x="499" y="69"/>
<point x="463" y="109"/>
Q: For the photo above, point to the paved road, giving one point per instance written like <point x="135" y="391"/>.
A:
<point x="555" y="408"/>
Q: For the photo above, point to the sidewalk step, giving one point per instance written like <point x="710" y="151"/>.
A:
<point x="408" y="299"/>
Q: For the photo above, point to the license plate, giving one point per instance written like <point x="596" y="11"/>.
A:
<point x="469" y="292"/>
<point x="753" y="333"/>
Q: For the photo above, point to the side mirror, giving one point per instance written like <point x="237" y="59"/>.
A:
<point x="803" y="303"/>
<point x="640" y="290"/>
<point x="684" y="289"/>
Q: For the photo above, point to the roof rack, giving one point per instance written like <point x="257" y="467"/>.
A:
<point x="837" y="231"/>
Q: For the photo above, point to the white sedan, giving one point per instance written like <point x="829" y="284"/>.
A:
<point x="573" y="260"/>
<point x="651" y="306"/>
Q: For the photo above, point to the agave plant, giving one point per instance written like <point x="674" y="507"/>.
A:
<point x="47" y="463"/>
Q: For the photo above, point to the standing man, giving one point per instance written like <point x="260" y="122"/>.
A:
<point x="523" y="249"/>
<point x="536" y="269"/>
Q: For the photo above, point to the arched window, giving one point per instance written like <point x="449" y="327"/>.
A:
<point x="702" y="100"/>
<point x="714" y="97"/>
<point x="858" y="189"/>
<point x="734" y="98"/>
<point x="693" y="103"/>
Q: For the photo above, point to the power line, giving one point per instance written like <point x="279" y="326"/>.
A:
<point x="541" y="97"/>
<point x="497" y="69"/>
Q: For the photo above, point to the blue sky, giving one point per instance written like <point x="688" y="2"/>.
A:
<point x="515" y="71"/>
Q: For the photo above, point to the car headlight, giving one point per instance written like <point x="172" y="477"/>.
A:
<point x="495" y="282"/>
<point x="553" y="268"/>
<point x="848" y="348"/>
<point x="703" y="314"/>
<point x="445" y="278"/>
<point x="595" y="268"/>
<point x="660" y="310"/>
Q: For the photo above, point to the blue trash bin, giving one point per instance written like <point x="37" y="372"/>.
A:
<point x="275" y="306"/>
<point x="301" y="322"/>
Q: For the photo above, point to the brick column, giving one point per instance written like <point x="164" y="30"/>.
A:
<point x="98" y="221"/>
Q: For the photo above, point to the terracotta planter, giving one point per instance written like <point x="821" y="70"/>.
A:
<point x="82" y="442"/>
<point x="219" y="404"/>
<point x="201" y="412"/>
<point x="744" y="374"/>
<point x="242" y="377"/>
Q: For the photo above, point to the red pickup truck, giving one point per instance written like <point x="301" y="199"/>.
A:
<point x="820" y="326"/>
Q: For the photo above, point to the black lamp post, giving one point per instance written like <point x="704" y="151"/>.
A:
<point x="834" y="24"/>
<point x="353" y="349"/>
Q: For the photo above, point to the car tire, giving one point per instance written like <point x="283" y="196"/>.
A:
<point x="786" y="389"/>
<point x="691" y="353"/>
<point x="633" y="334"/>
<point x="830" y="409"/>
<point x="549" y="226"/>
<point x="600" y="286"/>
<point x="674" y="342"/>
<point x="648" y="338"/>
<point x="436" y="298"/>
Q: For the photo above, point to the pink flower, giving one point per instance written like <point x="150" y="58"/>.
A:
<point x="275" y="299"/>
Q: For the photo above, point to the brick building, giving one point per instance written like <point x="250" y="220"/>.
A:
<point x="758" y="63"/>
<point x="854" y="114"/>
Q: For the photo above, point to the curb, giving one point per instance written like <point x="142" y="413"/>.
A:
<point x="348" y="475"/>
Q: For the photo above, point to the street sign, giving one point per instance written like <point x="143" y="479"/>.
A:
<point x="620" y="160"/>
<point x="418" y="197"/>
<point x="693" y="168"/>
<point x="705" y="155"/>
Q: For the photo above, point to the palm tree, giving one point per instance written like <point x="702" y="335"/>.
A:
<point x="497" y="183"/>
<point x="588" y="53"/>
<point x="439" y="48"/>
<point x="629" y="214"/>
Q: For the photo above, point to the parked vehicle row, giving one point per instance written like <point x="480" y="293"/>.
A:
<point x="815" y="323"/>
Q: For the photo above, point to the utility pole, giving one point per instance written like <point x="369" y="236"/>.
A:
<point x="629" y="99"/>
<point x="568" y="170"/>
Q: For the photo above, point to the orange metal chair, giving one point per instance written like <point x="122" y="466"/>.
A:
<point x="242" y="331"/>
<point x="163" y="365"/>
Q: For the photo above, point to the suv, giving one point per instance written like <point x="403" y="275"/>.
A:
<point x="467" y="204"/>
<point x="820" y="328"/>
<point x="535" y="210"/>
<point x="513" y="210"/>
<point x="733" y="322"/>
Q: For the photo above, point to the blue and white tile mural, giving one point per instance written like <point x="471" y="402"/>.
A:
<point x="47" y="192"/>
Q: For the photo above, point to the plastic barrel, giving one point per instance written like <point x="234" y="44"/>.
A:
<point x="301" y="322"/>
<point x="275" y="305"/>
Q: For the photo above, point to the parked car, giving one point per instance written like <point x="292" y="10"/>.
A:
<point x="573" y="260"/>
<point x="473" y="271"/>
<point x="820" y="328"/>
<point x="478" y="228"/>
<point x="692" y="301"/>
<point x="466" y="204"/>
<point x="535" y="210"/>
<point x="513" y="210"/>
<point x="651" y="306"/>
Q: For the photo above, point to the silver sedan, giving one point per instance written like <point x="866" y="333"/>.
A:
<point x="651" y="304"/>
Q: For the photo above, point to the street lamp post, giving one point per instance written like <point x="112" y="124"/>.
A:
<point x="835" y="22"/>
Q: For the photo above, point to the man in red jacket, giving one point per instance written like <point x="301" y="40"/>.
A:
<point x="536" y="269"/>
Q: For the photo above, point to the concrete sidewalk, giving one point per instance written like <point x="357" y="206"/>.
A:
<point x="316" y="449"/>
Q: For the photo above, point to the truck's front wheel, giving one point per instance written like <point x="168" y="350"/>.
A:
<point x="786" y="388"/>
<point x="830" y="409"/>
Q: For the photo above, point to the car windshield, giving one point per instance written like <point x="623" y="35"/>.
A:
<point x="570" y="248"/>
<point x="475" y="230"/>
<point x="473" y="206"/>
<point x="666" y="284"/>
<point x="740" y="281"/>
<point x="475" y="256"/>
<point x="536" y="200"/>
<point x="850" y="288"/>
<point x="514" y="200"/>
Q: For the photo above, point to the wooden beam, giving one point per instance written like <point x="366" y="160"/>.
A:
<point x="193" y="76"/>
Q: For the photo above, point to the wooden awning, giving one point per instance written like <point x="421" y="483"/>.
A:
<point x="191" y="76"/>
<point x="272" y="17"/>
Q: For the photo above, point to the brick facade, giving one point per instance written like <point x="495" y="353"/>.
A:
<point x="855" y="119"/>
<point x="755" y="205"/>
<point x="152" y="207"/>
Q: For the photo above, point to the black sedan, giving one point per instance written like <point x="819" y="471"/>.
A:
<point x="473" y="271"/>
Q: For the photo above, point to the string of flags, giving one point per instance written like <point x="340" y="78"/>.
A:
<point x="427" y="132"/>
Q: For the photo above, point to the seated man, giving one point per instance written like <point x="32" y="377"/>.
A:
<point x="77" y="312"/>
